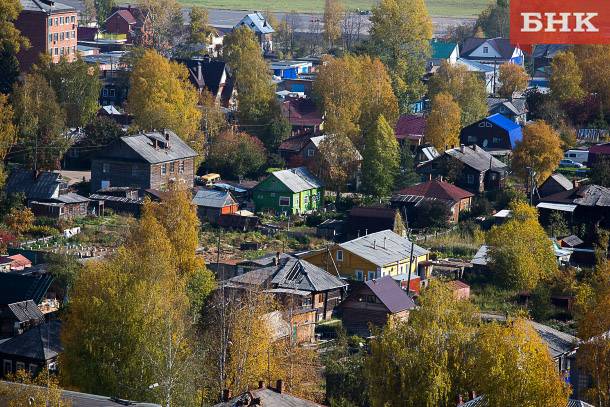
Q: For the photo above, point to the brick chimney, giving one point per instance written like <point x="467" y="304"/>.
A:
<point x="459" y="400"/>
<point x="472" y="395"/>
<point x="226" y="395"/>
<point x="280" y="386"/>
<point x="261" y="384"/>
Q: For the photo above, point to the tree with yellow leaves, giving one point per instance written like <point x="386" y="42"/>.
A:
<point x="8" y="132"/>
<point x="513" y="78"/>
<point x="19" y="220"/>
<point x="41" y="390"/>
<point x="337" y="162"/>
<point x="566" y="78"/>
<point x="443" y="124"/>
<point x="333" y="17"/>
<point x="540" y="150"/>
<point x="520" y="251"/>
<point x="513" y="366"/>
<point x="160" y="96"/>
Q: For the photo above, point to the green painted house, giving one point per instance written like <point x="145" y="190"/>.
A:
<point x="292" y="191"/>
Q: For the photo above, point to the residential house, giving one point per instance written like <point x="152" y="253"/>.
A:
<point x="18" y="317"/>
<point x="50" y="28"/>
<point x="265" y="396"/>
<point x="364" y="220"/>
<point x="410" y="130"/>
<point x="374" y="302"/>
<point x="65" y="206"/>
<point x="35" y="349"/>
<point x="16" y="262"/>
<point x="149" y="160"/>
<point x="132" y="22"/>
<point x="113" y="74"/>
<point x="293" y="191"/>
<point x="373" y="256"/>
<point x="291" y="69"/>
<point x="425" y="153"/>
<point x="543" y="54"/>
<point x="514" y="109"/>
<point x="443" y="51"/>
<point x="457" y="199"/>
<point x="492" y="51"/>
<point x="487" y="73"/>
<point x="295" y="283"/>
<point x="496" y="134"/>
<point x="124" y="200"/>
<point x="598" y="152"/>
<point x="212" y="204"/>
<point x="481" y="401"/>
<point x="303" y="115"/>
<point x="262" y="29"/>
<point x="292" y="149"/>
<point x="15" y="287"/>
<point x="554" y="184"/>
<point x="474" y="169"/>
<point x="214" y="76"/>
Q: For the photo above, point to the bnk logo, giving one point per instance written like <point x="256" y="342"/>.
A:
<point x="559" y="22"/>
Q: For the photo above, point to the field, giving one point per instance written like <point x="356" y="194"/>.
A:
<point x="437" y="8"/>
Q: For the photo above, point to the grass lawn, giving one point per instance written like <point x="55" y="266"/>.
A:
<point x="438" y="8"/>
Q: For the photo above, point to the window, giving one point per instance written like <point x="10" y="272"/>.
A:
<point x="56" y="51"/>
<point x="33" y="368"/>
<point x="72" y="20"/>
<point x="134" y="170"/>
<point x="310" y="152"/>
<point x="8" y="366"/>
<point x="56" y="36"/>
<point x="181" y="167"/>
<point x="112" y="93"/>
<point x="172" y="167"/>
<point x="50" y="22"/>
<point x="61" y="51"/>
<point x="61" y="20"/>
<point x="306" y="199"/>
<point x="486" y="50"/>
<point x="371" y="275"/>
<point x="163" y="169"/>
<point x="472" y="139"/>
<point x="61" y="36"/>
<point x="371" y="299"/>
<point x="105" y="168"/>
<point x="496" y="140"/>
<point x="56" y="21"/>
<point x="339" y="255"/>
<point x="105" y="92"/>
<point x="20" y="366"/>
<point x="284" y="201"/>
<point x="50" y="38"/>
<point x="61" y="210"/>
<point x="359" y="275"/>
<point x="73" y="34"/>
<point x="470" y="179"/>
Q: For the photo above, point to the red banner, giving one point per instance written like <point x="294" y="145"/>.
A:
<point x="559" y="22"/>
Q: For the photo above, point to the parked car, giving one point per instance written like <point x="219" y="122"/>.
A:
<point x="580" y="156"/>
<point x="567" y="163"/>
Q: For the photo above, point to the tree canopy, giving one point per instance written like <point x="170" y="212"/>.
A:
<point x="540" y="150"/>
<point x="443" y="124"/>
<point x="494" y="21"/>
<point x="333" y="18"/>
<point x="566" y="78"/>
<point x="513" y="78"/>
<point x="236" y="154"/>
<point x="381" y="159"/>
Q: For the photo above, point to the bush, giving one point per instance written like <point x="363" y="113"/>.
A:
<point x="41" y="231"/>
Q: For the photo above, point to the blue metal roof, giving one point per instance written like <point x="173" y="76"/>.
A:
<point x="512" y="128"/>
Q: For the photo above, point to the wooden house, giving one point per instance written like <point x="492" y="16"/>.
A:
<point x="143" y="161"/>
<point x="495" y="134"/>
<point x="293" y="191"/>
<point x="514" y="108"/>
<point x="374" y="302"/>
<point x="492" y="51"/>
<point x="473" y="169"/>
<point x="262" y="29"/>
<point x="555" y="183"/>
<point x="364" y="220"/>
<point x="18" y="317"/>
<point x="443" y="51"/>
<point x="373" y="256"/>
<point x="410" y="130"/>
<point x="211" y="204"/>
<point x="132" y="22"/>
<point x="303" y="115"/>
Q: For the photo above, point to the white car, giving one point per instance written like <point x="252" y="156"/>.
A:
<point x="566" y="163"/>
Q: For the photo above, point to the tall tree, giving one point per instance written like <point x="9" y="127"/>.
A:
<point x="88" y="14"/>
<point x="76" y="85"/>
<point x="40" y="122"/>
<point x="101" y="132"/>
<point x="166" y="22"/>
<point x="400" y="34"/>
<point x="11" y="42"/>
<point x="443" y="124"/>
<point x="8" y="132"/>
<point x="200" y="28"/>
<point x="40" y="391"/>
<point x="539" y="150"/>
<point x="160" y="96"/>
<point x="428" y="355"/>
<point x="513" y="366"/>
<point x="236" y="154"/>
<point x="259" y="112"/>
<point x="333" y="16"/>
<point x="513" y="78"/>
<point x="594" y="80"/>
<point x="467" y="89"/>
<point x="406" y="175"/>
<point x="520" y="251"/>
<point x="337" y="161"/>
<point x="566" y="78"/>
<point x="381" y="159"/>
<point x="494" y="21"/>
<point x="213" y="119"/>
<point x="103" y="9"/>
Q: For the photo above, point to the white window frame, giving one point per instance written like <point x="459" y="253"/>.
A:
<point x="19" y="366"/>
<point x="339" y="255"/>
<point x="486" y="50"/>
<point x="310" y="152"/>
<point x="284" y="198"/>
<point x="181" y="167"/>
<point x="163" y="169"/>
<point x="105" y="168"/>
<point x="371" y="275"/>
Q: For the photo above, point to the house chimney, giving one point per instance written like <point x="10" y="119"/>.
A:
<point x="374" y="244"/>
<point x="574" y="184"/>
<point x="366" y="232"/>
<point x="261" y="384"/>
<point x="199" y="76"/>
<point x="459" y="400"/>
<point x="280" y="386"/>
<point x="462" y="148"/>
<point x="226" y="395"/>
<point x="472" y="395"/>
<point x="384" y="239"/>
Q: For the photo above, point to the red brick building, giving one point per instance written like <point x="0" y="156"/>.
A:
<point x="51" y="27"/>
<point x="132" y="22"/>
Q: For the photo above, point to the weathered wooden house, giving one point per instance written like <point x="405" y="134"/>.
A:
<point x="555" y="183"/>
<point x="496" y="134"/>
<point x="150" y="160"/>
<point x="262" y="29"/>
<point x="211" y="204"/>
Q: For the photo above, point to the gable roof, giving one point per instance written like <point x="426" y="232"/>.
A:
<point x="572" y="241"/>
<point x="40" y="342"/>
<point x="481" y="401"/>
<point x="143" y="145"/>
<point x="24" y="311"/>
<point x="442" y="49"/>
<point x="474" y="66"/>
<point x="16" y="288"/>
<point x="391" y="295"/>
<point x="268" y="398"/>
<point x="45" y="185"/>
<point x="516" y="105"/>
<point x="560" y="179"/>
<point x="45" y="6"/>
<point x="476" y="158"/>
<point x="212" y="198"/>
<point x="410" y="126"/>
<point x="298" y="179"/>
<point x="301" y="112"/>
<point x="438" y="190"/>
<point x="125" y="15"/>
<point x="71" y="198"/>
<point x="512" y="128"/>
<point x="559" y="343"/>
<point x="212" y="71"/>
<point x="16" y="260"/>
<point x="371" y="247"/>
<point x="373" y="212"/>
<point x="548" y="50"/>
<point x="501" y="45"/>
<point x="257" y="22"/>
<point x="587" y="195"/>
<point x="295" y="144"/>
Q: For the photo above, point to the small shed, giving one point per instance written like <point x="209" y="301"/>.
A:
<point x="460" y="289"/>
<point x="211" y="204"/>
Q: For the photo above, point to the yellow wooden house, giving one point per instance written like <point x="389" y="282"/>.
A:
<point x="373" y="256"/>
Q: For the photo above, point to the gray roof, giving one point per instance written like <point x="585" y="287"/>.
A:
<point x="561" y="180"/>
<point x="480" y="401"/>
<point x="44" y="186"/>
<point x="548" y="50"/>
<point x="516" y="105"/>
<point x="257" y="22"/>
<point x="391" y="295"/>
<point x="593" y="195"/>
<point x="25" y="311"/>
<point x="384" y="247"/>
<point x="212" y="198"/>
<point x="477" y="158"/>
<point x="44" y="7"/>
<point x="39" y="343"/>
<point x="143" y="145"/>
<point x="572" y="240"/>
<point x="559" y="343"/>
<point x="298" y="179"/>
<point x="481" y="258"/>
<point x="71" y="198"/>
<point x="268" y="398"/>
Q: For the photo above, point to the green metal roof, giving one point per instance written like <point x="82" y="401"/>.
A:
<point x="441" y="49"/>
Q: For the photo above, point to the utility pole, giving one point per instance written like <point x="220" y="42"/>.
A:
<point x="410" y="266"/>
